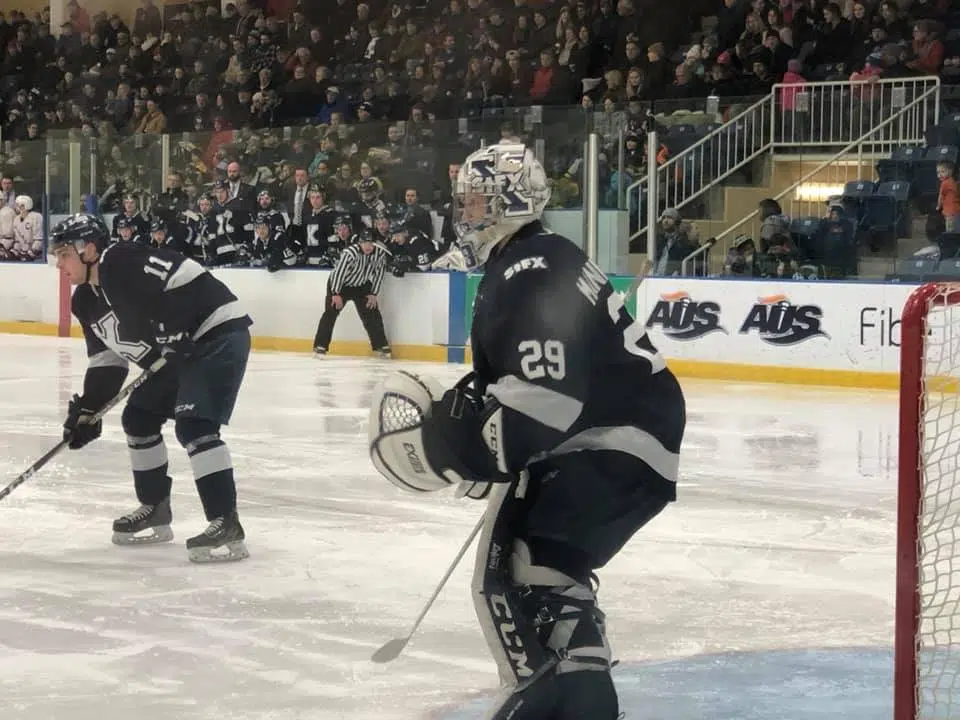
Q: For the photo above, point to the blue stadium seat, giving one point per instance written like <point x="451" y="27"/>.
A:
<point x="948" y="269"/>
<point x="946" y="132"/>
<point x="900" y="165"/>
<point x="887" y="210"/>
<point x="806" y="233"/>
<point x="917" y="268"/>
<point x="855" y="196"/>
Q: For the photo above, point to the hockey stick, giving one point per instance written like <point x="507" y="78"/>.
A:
<point x="53" y="452"/>
<point x="392" y="648"/>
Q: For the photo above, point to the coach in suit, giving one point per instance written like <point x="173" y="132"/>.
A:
<point x="298" y="205"/>
<point x="243" y="196"/>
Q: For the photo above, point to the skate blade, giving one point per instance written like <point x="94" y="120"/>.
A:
<point x="159" y="534"/>
<point x="229" y="552"/>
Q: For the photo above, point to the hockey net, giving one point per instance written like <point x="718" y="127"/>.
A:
<point x="927" y="643"/>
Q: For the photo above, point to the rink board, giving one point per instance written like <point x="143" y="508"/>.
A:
<point x="813" y="333"/>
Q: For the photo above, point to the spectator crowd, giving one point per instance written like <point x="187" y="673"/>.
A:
<point x="359" y="110"/>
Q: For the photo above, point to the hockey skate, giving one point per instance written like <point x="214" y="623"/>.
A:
<point x="222" y="541"/>
<point x="384" y="353"/>
<point x="131" y="529"/>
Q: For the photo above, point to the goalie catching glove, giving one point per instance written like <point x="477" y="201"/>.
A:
<point x="424" y="439"/>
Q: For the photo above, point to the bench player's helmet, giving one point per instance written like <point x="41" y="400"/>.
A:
<point x="499" y="189"/>
<point x="78" y="230"/>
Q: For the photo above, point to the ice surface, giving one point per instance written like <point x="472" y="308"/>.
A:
<point x="783" y="540"/>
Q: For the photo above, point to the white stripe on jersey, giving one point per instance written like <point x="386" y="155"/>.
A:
<point x="188" y="271"/>
<point x="548" y="407"/>
<point x="626" y="439"/>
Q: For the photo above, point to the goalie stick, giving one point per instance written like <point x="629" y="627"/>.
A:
<point x="392" y="648"/>
<point x="53" y="452"/>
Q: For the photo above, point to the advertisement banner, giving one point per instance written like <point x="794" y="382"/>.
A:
<point x="844" y="326"/>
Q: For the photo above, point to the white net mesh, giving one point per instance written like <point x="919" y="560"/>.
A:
<point x="938" y="633"/>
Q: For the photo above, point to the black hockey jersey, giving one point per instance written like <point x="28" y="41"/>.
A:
<point x="317" y="232"/>
<point x="141" y="225"/>
<point x="417" y="253"/>
<point x="573" y="370"/>
<point x="142" y="293"/>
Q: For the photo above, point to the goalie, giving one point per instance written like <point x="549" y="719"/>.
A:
<point x="569" y="426"/>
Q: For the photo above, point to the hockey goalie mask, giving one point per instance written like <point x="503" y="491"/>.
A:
<point x="499" y="189"/>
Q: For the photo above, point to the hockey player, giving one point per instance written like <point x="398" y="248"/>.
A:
<point x="412" y="250"/>
<point x="7" y="217"/>
<point x="161" y="237"/>
<point x="229" y="241"/>
<point x="27" y="230"/>
<point x="131" y="213"/>
<point x="266" y="208"/>
<point x="342" y="238"/>
<point x="320" y="223"/>
<point x="270" y="243"/>
<point x="371" y="204"/>
<point x="570" y="425"/>
<point x="381" y="229"/>
<point x="135" y="303"/>
<point x="128" y="230"/>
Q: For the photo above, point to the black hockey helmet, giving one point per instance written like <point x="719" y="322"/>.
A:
<point x="264" y="194"/>
<point x="124" y="222"/>
<point x="261" y="218"/>
<point x="369" y="189"/>
<point x="343" y="220"/>
<point x="158" y="225"/>
<point x="78" y="230"/>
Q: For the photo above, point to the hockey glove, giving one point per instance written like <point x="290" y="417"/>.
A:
<point x="77" y="428"/>
<point x="459" y="434"/>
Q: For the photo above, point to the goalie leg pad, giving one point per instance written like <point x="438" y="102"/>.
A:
<point x="543" y="628"/>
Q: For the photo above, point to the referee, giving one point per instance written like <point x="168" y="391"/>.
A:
<point x="357" y="276"/>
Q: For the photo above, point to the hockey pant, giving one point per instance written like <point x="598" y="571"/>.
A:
<point x="199" y="394"/>
<point x="370" y="317"/>
<point x="532" y="585"/>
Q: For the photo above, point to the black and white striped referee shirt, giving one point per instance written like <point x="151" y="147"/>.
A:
<point x="354" y="269"/>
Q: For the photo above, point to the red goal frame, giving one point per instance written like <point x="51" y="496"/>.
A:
<point x="909" y="491"/>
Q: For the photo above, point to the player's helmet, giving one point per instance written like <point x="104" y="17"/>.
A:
<point x="399" y="229"/>
<point x="158" y="225"/>
<point x="261" y="219"/>
<point x="264" y="195"/>
<point x="78" y="230"/>
<point x="124" y="223"/>
<point x="24" y="201"/>
<point x="368" y="189"/>
<point x="344" y="220"/>
<point x="499" y="189"/>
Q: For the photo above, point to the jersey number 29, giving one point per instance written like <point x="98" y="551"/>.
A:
<point x="541" y="359"/>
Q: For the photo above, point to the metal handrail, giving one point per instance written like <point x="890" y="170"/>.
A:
<point x="702" y="250"/>
<point x="826" y="163"/>
<point x="713" y="134"/>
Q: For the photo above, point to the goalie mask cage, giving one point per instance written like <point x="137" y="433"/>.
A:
<point x="927" y="635"/>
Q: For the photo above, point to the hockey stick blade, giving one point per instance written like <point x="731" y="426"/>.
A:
<point x="390" y="651"/>
<point x="392" y="648"/>
<point x="54" y="451"/>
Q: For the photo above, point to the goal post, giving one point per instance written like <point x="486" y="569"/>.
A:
<point x="927" y="629"/>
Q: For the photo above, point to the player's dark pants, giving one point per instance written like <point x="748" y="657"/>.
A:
<point x="199" y="394"/>
<point x="537" y="605"/>
<point x="370" y="317"/>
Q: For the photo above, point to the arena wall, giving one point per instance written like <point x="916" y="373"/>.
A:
<point x="825" y="333"/>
